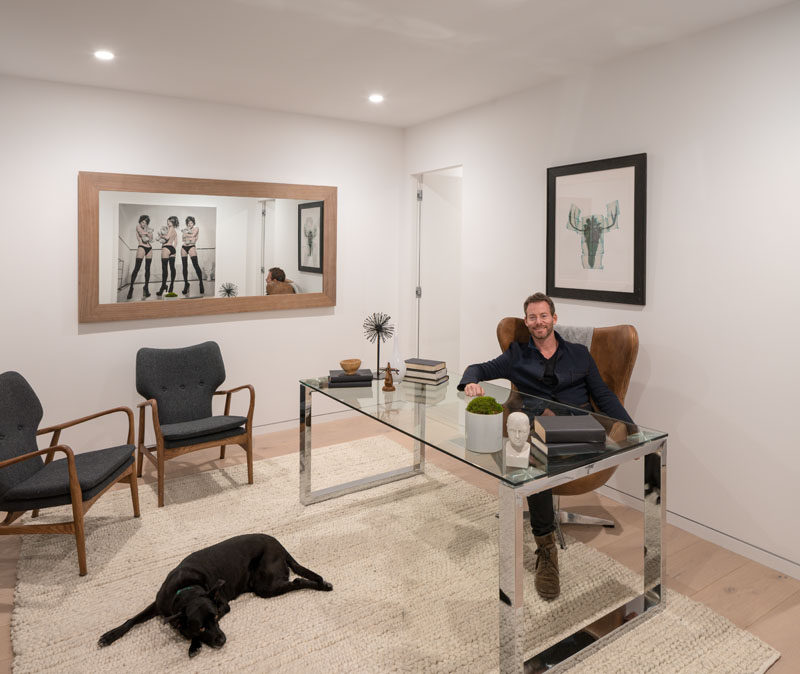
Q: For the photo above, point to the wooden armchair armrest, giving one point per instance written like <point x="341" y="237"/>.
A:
<point x="57" y="428"/>
<point x="228" y="395"/>
<point x="74" y="486"/>
<point x="153" y="405"/>
<point x="60" y="448"/>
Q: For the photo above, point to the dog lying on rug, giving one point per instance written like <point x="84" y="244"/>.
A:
<point x="195" y="594"/>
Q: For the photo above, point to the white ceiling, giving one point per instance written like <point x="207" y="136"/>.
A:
<point x="323" y="57"/>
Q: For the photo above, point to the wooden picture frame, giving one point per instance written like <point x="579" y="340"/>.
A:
<point x="90" y="187"/>
<point x="596" y="230"/>
<point x="310" y="236"/>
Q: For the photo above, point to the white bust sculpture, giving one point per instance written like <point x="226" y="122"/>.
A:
<point x="518" y="448"/>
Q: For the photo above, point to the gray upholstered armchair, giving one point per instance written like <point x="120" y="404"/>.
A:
<point x="179" y="386"/>
<point x="28" y="482"/>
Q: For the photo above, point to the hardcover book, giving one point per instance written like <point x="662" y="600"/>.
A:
<point x="427" y="382"/>
<point x="560" y="450"/>
<point x="347" y="384"/>
<point x="578" y="428"/>
<point x="424" y="364"/>
<point x="359" y="375"/>
<point x="426" y="374"/>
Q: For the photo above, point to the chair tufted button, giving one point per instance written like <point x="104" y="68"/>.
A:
<point x="163" y="388"/>
<point x="183" y="386"/>
<point x="2" y="437"/>
<point x="202" y="382"/>
<point x="20" y="427"/>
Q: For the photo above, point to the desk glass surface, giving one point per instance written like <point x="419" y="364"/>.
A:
<point x="442" y="410"/>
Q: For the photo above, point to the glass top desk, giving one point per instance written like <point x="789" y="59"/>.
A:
<point x="434" y="417"/>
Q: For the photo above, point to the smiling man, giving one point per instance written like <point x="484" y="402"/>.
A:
<point x="552" y="368"/>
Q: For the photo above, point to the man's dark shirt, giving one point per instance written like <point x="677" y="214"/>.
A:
<point x="576" y="374"/>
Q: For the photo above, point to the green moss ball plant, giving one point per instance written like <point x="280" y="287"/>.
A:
<point x="484" y="405"/>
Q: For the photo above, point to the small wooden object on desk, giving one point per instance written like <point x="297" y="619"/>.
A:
<point x="388" y="383"/>
<point x="350" y="365"/>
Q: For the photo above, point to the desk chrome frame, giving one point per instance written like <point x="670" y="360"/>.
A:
<point x="510" y="536"/>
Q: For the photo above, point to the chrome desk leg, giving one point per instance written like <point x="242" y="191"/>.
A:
<point x="305" y="445"/>
<point x="307" y="496"/>
<point x="655" y="516"/>
<point x="511" y="569"/>
<point x="419" y="429"/>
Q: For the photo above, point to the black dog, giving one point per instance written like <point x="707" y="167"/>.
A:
<point x="196" y="593"/>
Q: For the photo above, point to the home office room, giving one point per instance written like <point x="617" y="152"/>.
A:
<point x="264" y="265"/>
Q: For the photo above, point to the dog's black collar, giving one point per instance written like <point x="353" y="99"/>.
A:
<point x="188" y="587"/>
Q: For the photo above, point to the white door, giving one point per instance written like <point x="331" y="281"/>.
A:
<point x="439" y="267"/>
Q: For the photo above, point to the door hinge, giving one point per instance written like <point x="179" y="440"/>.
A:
<point x="419" y="195"/>
<point x="418" y="292"/>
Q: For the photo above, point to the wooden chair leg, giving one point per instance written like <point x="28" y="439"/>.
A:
<point x="222" y="452"/>
<point x="139" y="461"/>
<point x="134" y="482"/>
<point x="249" y="450"/>
<point x="160" y="479"/>
<point x="35" y="513"/>
<point x="80" y="536"/>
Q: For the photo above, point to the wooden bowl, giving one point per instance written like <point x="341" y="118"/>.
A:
<point x="350" y="365"/>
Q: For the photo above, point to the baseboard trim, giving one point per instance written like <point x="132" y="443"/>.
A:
<point x="740" y="547"/>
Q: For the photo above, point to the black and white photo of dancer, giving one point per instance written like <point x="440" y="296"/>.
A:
<point x="190" y="235"/>
<point x="144" y="251"/>
<point x="168" y="236"/>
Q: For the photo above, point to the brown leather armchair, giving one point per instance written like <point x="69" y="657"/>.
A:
<point x="614" y="349"/>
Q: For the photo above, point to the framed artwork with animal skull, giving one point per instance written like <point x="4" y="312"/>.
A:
<point x="596" y="226"/>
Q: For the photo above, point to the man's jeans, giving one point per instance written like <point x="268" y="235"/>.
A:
<point x="542" y="515"/>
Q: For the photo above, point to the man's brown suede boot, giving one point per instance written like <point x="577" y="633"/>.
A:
<point x="546" y="578"/>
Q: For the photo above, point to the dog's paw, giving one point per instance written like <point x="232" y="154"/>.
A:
<point x="107" y="638"/>
<point x="326" y="586"/>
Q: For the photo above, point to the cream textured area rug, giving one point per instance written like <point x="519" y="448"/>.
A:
<point x="413" y="565"/>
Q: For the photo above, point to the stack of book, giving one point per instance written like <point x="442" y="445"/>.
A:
<point x="423" y="371"/>
<point x="338" y="378"/>
<point x="564" y="437"/>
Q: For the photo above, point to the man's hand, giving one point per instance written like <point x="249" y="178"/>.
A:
<point x="473" y="390"/>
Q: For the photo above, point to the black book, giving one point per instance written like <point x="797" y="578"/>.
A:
<point x="426" y="374"/>
<point x="428" y="382"/>
<point x="359" y="375"/>
<point x="424" y="364"/>
<point x="578" y="428"/>
<point x="349" y="384"/>
<point x="565" y="450"/>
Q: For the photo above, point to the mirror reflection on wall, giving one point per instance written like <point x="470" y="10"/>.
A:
<point x="155" y="246"/>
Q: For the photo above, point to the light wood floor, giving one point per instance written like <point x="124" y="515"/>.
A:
<point x="754" y="597"/>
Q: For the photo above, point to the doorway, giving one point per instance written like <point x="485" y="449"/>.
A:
<point x="438" y="295"/>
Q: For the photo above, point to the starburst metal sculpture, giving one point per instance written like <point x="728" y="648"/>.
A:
<point x="378" y="329"/>
<point x="228" y="290"/>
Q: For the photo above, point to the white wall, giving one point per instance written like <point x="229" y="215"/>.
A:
<point x="49" y="132"/>
<point x="717" y="115"/>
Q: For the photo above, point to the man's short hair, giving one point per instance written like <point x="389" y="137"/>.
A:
<point x="277" y="274"/>
<point x="539" y="297"/>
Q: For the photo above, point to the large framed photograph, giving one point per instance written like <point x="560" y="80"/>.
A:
<point x="310" y="236"/>
<point x="596" y="230"/>
<point x="164" y="249"/>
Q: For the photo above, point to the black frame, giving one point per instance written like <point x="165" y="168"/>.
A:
<point x="300" y="209"/>
<point x="639" y="162"/>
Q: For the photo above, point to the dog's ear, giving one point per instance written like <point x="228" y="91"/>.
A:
<point x="214" y="590"/>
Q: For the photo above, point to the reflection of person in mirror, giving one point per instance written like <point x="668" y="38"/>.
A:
<point x="548" y="367"/>
<point x="168" y="236"/>
<point x="144" y="235"/>
<point x="310" y="232"/>
<point x="277" y="283"/>
<point x="190" y="235"/>
<point x="518" y="448"/>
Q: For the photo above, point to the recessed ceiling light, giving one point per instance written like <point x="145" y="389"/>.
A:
<point x="103" y="55"/>
<point x="376" y="98"/>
